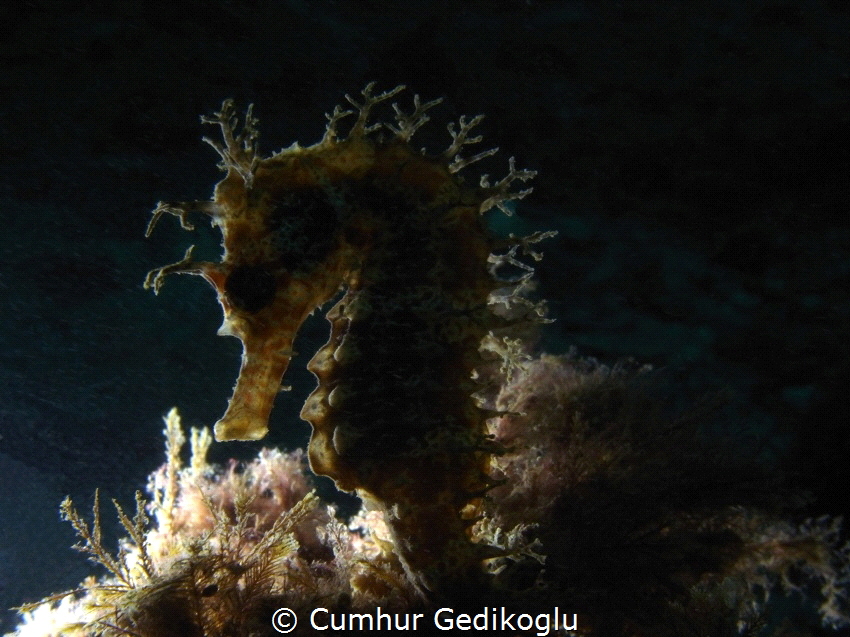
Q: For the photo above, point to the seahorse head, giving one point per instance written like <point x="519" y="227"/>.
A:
<point x="300" y="224"/>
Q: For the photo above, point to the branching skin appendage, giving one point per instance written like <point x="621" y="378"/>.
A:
<point x="417" y="341"/>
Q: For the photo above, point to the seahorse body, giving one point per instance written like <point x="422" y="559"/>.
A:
<point x="394" y="417"/>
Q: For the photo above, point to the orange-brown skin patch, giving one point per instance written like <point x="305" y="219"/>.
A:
<point x="393" y="415"/>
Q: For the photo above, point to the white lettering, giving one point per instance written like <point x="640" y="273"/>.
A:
<point x="313" y="618"/>
<point x="541" y="623"/>
<point x="379" y="616"/>
<point x="360" y="618"/>
<point x="449" y="623"/>
<point x="506" y="621"/>
<point x="445" y="619"/>
<point x="341" y="619"/>
<point x="475" y="619"/>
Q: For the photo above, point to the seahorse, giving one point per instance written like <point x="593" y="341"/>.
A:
<point x="426" y="318"/>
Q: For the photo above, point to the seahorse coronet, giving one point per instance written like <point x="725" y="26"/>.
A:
<point x="399" y="413"/>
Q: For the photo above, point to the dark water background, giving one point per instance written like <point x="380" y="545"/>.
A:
<point x="692" y="155"/>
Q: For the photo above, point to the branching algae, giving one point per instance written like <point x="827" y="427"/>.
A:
<point x="402" y="234"/>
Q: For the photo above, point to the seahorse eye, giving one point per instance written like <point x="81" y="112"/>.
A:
<point x="250" y="288"/>
<point x="304" y="225"/>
